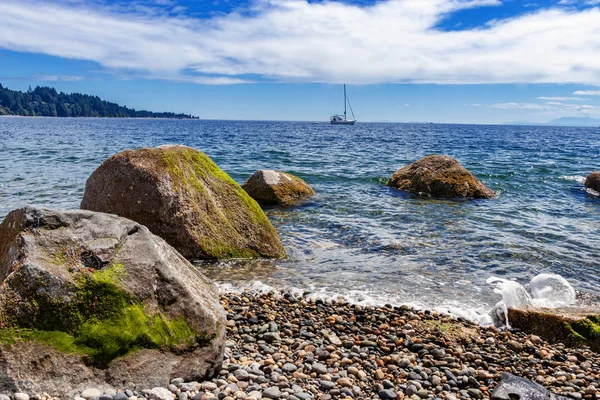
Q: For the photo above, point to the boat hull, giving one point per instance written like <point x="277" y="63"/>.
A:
<point x="342" y="122"/>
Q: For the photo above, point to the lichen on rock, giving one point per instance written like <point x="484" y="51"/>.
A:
<point x="98" y="289"/>
<point x="181" y="195"/>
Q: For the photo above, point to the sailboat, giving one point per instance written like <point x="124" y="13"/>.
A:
<point x="343" y="119"/>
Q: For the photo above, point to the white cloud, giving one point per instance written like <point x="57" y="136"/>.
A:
<point x="293" y="40"/>
<point x="520" y="106"/>
<point x="587" y="93"/>
<point x="560" y="98"/>
<point x="551" y="106"/>
<point x="58" y="78"/>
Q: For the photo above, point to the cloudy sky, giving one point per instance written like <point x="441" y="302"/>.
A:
<point x="472" y="61"/>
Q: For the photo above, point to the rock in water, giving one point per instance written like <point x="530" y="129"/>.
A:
<point x="89" y="299"/>
<point x="572" y="326"/>
<point x="182" y="196"/>
<point x="271" y="187"/>
<point x="593" y="181"/>
<point x="512" y="387"/>
<point x="441" y="177"/>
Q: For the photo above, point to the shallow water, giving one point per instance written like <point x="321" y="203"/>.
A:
<point x="357" y="237"/>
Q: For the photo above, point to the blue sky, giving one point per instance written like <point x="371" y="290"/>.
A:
<point x="460" y="61"/>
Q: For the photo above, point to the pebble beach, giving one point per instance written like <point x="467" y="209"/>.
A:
<point x="282" y="346"/>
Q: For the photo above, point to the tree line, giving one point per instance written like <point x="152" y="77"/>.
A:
<point x="47" y="102"/>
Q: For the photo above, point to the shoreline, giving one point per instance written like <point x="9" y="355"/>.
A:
<point x="286" y="347"/>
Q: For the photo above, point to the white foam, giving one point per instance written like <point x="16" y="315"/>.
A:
<point x="575" y="178"/>
<point x="547" y="290"/>
<point x="476" y="314"/>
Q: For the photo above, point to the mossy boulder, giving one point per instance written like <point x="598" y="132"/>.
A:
<point x="90" y="297"/>
<point x="270" y="187"/>
<point x="181" y="195"/>
<point x="571" y="326"/>
<point x="439" y="177"/>
<point x="593" y="181"/>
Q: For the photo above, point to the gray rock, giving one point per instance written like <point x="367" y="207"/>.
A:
<point x="21" y="396"/>
<point x="271" y="337"/>
<point x="182" y="396"/>
<point x="319" y="368"/>
<point x="410" y="390"/>
<point x="55" y="252"/>
<point x="241" y="374"/>
<point x="177" y="381"/>
<point x="387" y="394"/>
<point x="4" y="397"/>
<point x="326" y="385"/>
<point x="289" y="367"/>
<point x="189" y="386"/>
<point x="272" y="392"/>
<point x="160" y="393"/>
<point x="91" y="392"/>
<point x="120" y="396"/>
<point x="514" y="387"/>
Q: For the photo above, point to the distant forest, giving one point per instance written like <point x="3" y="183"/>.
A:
<point x="47" y="102"/>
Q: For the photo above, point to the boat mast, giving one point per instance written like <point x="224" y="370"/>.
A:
<point x="345" y="118"/>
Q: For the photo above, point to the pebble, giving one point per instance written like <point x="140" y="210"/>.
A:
<point x="21" y="396"/>
<point x="91" y="392"/>
<point x="271" y="393"/>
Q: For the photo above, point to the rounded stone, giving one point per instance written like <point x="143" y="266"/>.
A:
<point x="181" y="195"/>
<point x="439" y="177"/>
<point x="91" y="392"/>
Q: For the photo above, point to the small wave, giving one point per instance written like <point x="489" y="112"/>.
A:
<point x="547" y="291"/>
<point x="592" y="192"/>
<point x="478" y="315"/>
<point x="573" y="178"/>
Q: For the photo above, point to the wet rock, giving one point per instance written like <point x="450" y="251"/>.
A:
<point x="571" y="326"/>
<point x="512" y="387"/>
<point x="182" y="196"/>
<point x="101" y="285"/>
<point x="271" y="187"/>
<point x="593" y="181"/>
<point x="439" y="177"/>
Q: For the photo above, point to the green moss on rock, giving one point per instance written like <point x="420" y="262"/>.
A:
<point x="102" y="321"/>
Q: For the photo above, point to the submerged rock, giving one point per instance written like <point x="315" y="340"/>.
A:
<point x="514" y="388"/>
<point x="271" y="187"/>
<point x="441" y="177"/>
<point x="182" y="196"/>
<point x="593" y="181"/>
<point x="571" y="326"/>
<point x="90" y="299"/>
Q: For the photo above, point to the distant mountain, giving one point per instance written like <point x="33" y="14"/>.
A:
<point x="47" y="102"/>
<point x="575" y="121"/>
<point x="564" y="121"/>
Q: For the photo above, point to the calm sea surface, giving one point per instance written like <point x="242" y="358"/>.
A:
<point x="357" y="237"/>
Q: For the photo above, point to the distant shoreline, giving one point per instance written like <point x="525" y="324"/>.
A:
<point x="50" y="117"/>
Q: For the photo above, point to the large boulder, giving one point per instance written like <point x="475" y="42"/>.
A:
<point x="270" y="187"/>
<point x="91" y="298"/>
<point x="593" y="181"/>
<point x="441" y="177"/>
<point x="182" y="196"/>
<point x="572" y="326"/>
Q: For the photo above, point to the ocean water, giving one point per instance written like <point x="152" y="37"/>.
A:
<point x="358" y="238"/>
